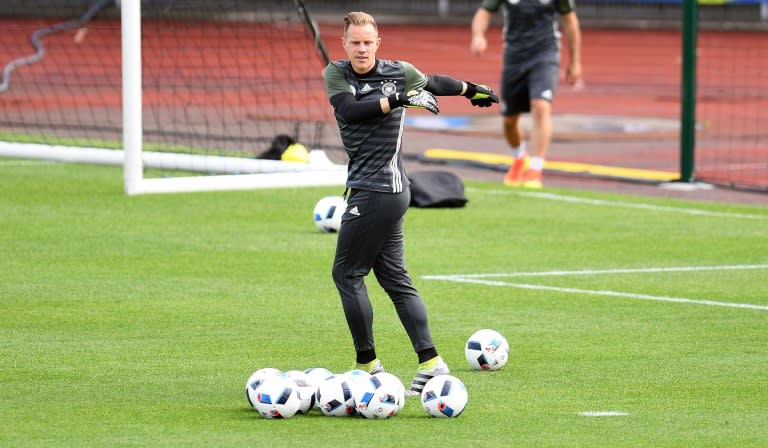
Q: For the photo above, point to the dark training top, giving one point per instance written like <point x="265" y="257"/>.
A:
<point x="531" y="29"/>
<point x="373" y="144"/>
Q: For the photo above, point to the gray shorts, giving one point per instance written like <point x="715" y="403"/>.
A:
<point x="521" y="84"/>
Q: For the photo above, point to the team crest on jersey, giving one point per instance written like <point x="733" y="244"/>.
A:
<point x="388" y="88"/>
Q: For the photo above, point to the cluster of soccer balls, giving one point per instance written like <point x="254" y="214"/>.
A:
<point x="276" y="394"/>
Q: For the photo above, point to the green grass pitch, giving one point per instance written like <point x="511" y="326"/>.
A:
<point x="135" y="321"/>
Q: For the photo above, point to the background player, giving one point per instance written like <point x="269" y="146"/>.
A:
<point x="530" y="72"/>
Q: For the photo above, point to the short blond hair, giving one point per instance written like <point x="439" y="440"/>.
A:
<point x="359" y="18"/>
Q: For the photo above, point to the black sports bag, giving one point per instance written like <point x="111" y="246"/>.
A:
<point x="436" y="189"/>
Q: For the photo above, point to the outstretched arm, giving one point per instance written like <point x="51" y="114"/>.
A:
<point x="443" y="85"/>
<point x="478" y="94"/>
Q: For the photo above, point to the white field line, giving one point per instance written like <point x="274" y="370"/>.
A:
<point x="603" y="414"/>
<point x="478" y="279"/>
<point x="731" y="267"/>
<point x="4" y="163"/>
<point x="603" y="202"/>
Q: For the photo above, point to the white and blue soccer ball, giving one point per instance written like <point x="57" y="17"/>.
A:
<point x="375" y="398"/>
<point x="277" y="397"/>
<point x="393" y="383"/>
<point x="327" y="213"/>
<point x="314" y="377"/>
<point x="306" y="399"/>
<point x="444" y="396"/>
<point x="297" y="376"/>
<point x="487" y="350"/>
<point x="355" y="375"/>
<point x="305" y="391"/>
<point x="334" y="398"/>
<point x="255" y="380"/>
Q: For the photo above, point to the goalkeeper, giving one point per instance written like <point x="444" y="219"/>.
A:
<point x="368" y="96"/>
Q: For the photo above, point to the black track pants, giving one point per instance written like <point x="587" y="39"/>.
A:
<point x="371" y="237"/>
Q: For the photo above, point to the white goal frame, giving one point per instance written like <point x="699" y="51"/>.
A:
<point x="231" y="173"/>
<point x="263" y="173"/>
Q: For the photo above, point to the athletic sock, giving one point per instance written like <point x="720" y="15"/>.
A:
<point x="519" y="152"/>
<point x="537" y="163"/>
<point x="366" y="356"/>
<point x="426" y="355"/>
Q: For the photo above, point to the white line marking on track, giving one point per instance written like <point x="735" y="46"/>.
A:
<point x="603" y="414"/>
<point x="478" y="279"/>
<point x="603" y="202"/>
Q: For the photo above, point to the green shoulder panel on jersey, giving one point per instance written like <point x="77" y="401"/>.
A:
<point x="414" y="79"/>
<point x="335" y="80"/>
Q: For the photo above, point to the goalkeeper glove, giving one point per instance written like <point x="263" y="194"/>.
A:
<point x="417" y="98"/>
<point x="480" y="95"/>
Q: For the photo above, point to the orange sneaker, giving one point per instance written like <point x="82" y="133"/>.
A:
<point x="532" y="179"/>
<point x="514" y="177"/>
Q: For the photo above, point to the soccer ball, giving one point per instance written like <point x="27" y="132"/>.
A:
<point x="334" y="398"/>
<point x="393" y="383"/>
<point x="305" y="391"/>
<point x="375" y="398"/>
<point x="297" y="376"/>
<point x="314" y="377"/>
<point x="255" y="380"/>
<point x="355" y="375"/>
<point x="444" y="396"/>
<point x="306" y="399"/>
<point x="277" y="397"/>
<point x="327" y="213"/>
<point x="487" y="350"/>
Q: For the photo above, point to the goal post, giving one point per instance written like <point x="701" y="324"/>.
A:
<point x="186" y="96"/>
<point x="130" y="32"/>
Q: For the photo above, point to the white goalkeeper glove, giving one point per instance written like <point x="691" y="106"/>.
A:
<point x="416" y="98"/>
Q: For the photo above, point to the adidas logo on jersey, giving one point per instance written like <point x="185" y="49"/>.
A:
<point x="366" y="88"/>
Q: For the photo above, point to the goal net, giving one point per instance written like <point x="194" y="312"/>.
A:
<point x="187" y="95"/>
